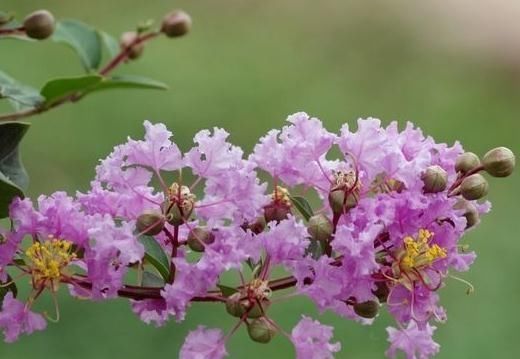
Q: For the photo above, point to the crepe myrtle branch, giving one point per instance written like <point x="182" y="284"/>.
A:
<point x="41" y="24"/>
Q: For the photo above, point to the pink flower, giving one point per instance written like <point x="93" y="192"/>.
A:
<point x="312" y="340"/>
<point x="16" y="319"/>
<point x="204" y="343"/>
<point x="414" y="342"/>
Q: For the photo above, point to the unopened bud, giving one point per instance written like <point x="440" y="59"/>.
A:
<point x="339" y="204"/>
<point x="126" y="42"/>
<point x="470" y="212"/>
<point x="258" y="225"/>
<point x="238" y="307"/>
<point x="150" y="222"/>
<point x="261" y="330"/>
<point x="466" y="162"/>
<point x="39" y="24"/>
<point x="474" y="187"/>
<point x="368" y="309"/>
<point x="320" y="227"/>
<point x="176" y="23"/>
<point x="199" y="238"/>
<point x="435" y="179"/>
<point x="499" y="162"/>
<point x="234" y="305"/>
<point x="5" y="18"/>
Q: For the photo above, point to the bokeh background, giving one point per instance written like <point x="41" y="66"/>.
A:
<point x="452" y="67"/>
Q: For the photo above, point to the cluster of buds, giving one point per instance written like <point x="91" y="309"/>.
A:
<point x="38" y="25"/>
<point x="384" y="235"/>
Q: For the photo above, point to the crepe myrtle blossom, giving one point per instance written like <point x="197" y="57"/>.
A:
<point x="160" y="227"/>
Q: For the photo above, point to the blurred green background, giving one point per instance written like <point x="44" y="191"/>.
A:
<point x="247" y="65"/>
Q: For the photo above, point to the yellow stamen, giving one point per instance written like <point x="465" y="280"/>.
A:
<point x="281" y="194"/>
<point x="418" y="253"/>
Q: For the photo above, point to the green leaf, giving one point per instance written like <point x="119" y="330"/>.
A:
<point x="129" y="82"/>
<point x="302" y="206"/>
<point x="8" y="288"/>
<point x="111" y="44"/>
<point x="57" y="89"/>
<point x="152" y="280"/>
<point x="83" y="39"/>
<point x="13" y="177"/>
<point x="154" y="254"/>
<point x="227" y="291"/>
<point x="21" y="96"/>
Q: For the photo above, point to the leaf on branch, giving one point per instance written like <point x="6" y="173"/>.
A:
<point x="57" y="89"/>
<point x="13" y="177"/>
<point x="154" y="254"/>
<point x="302" y="206"/>
<point x="19" y="95"/>
<point x="111" y="44"/>
<point x="83" y="39"/>
<point x="129" y="82"/>
<point x="227" y="291"/>
<point x="152" y="280"/>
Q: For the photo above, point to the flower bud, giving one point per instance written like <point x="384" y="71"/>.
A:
<point x="499" y="162"/>
<point x="320" y="227"/>
<point x="474" y="187"/>
<point x="238" y="308"/>
<point x="470" y="212"/>
<point x="276" y="212"/>
<point x="435" y="179"/>
<point x="176" y="23"/>
<point x="5" y="18"/>
<point x="381" y="292"/>
<point x="466" y="162"/>
<point x="198" y="238"/>
<point x="39" y="25"/>
<point x="150" y="222"/>
<point x="261" y="330"/>
<point x="126" y="41"/>
<point x="368" y="309"/>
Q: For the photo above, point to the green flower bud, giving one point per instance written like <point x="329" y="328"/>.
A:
<point x="368" y="309"/>
<point x="474" y="187"/>
<point x="39" y="24"/>
<point x="198" y="238"/>
<point x="499" y="162"/>
<point x="470" y="212"/>
<point x="238" y="308"/>
<point x="466" y="162"/>
<point x="435" y="179"/>
<point x="261" y="330"/>
<point x="176" y="23"/>
<point x="320" y="227"/>
<point x="126" y="41"/>
<point x="150" y="222"/>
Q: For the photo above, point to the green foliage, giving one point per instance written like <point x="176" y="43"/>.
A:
<point x="154" y="254"/>
<point x="19" y="95"/>
<point x="13" y="177"/>
<point x="83" y="39"/>
<point x="303" y="206"/>
<point x="57" y="89"/>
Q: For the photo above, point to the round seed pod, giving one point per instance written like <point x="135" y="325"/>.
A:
<point x="470" y="212"/>
<point x="198" y="238"/>
<point x="176" y="23"/>
<point x="466" y="162"/>
<point x="435" y="179"/>
<point x="320" y="227"/>
<point x="499" y="162"/>
<point x="126" y="41"/>
<point x="261" y="331"/>
<point x="474" y="187"/>
<point x="368" y="309"/>
<point x="150" y="222"/>
<point x="39" y="25"/>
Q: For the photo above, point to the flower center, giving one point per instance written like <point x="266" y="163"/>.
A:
<point x="281" y="195"/>
<point x="48" y="258"/>
<point x="418" y="253"/>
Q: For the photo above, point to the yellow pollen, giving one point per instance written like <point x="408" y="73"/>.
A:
<point x="48" y="258"/>
<point x="260" y="288"/>
<point x="418" y="252"/>
<point x="281" y="194"/>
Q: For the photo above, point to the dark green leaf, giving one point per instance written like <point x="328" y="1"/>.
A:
<point x="4" y="289"/>
<point x="83" y="39"/>
<point x="227" y="291"/>
<point x="154" y="254"/>
<point x="13" y="177"/>
<point x="302" y="206"/>
<point x="111" y="44"/>
<point x="57" y="89"/>
<point x="152" y="280"/>
<point x="21" y="96"/>
<point x="315" y="249"/>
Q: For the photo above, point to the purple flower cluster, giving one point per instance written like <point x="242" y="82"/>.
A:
<point x="384" y="230"/>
